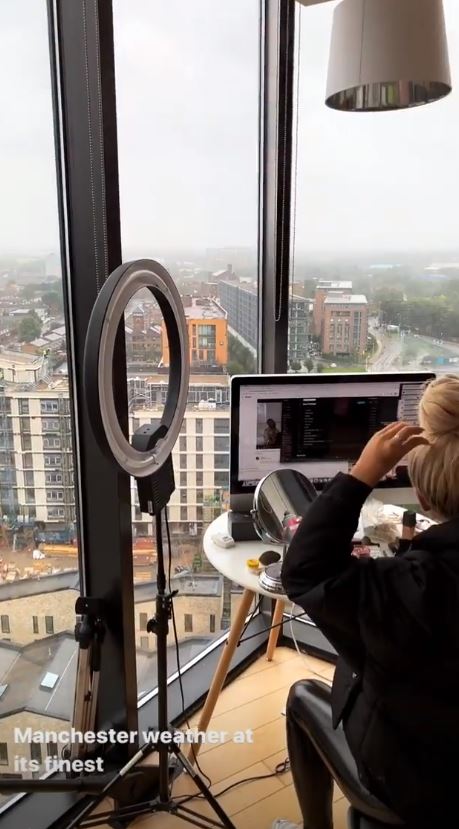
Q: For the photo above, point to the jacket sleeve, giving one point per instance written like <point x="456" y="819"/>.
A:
<point x="352" y="601"/>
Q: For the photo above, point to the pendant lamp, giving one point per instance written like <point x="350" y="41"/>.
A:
<point x="387" y="55"/>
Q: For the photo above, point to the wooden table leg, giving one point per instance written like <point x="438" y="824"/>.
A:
<point x="220" y="675"/>
<point x="274" y="635"/>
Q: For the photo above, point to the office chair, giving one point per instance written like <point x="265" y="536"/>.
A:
<point x="356" y="820"/>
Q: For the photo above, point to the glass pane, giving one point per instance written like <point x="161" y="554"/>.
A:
<point x="375" y="237"/>
<point x="187" y="99"/>
<point x="38" y="533"/>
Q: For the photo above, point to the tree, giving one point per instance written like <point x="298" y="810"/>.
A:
<point x="28" y="291"/>
<point x="29" y="328"/>
<point x="295" y="365"/>
<point x="235" y="368"/>
<point x="53" y="301"/>
<point x="309" y="364"/>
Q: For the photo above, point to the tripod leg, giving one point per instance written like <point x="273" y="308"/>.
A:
<point x="162" y="630"/>
<point x="222" y="667"/>
<point x="226" y="822"/>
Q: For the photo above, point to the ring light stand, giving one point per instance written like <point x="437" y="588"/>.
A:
<point x="148" y="459"/>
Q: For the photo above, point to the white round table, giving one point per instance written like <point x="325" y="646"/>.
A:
<point x="231" y="562"/>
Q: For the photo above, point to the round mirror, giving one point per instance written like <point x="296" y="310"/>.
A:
<point x="280" y="495"/>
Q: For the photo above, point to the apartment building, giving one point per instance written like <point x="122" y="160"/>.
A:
<point x="207" y="327"/>
<point x="240" y="301"/>
<point x="36" y="460"/>
<point x="298" y="333"/>
<point x="323" y="289"/>
<point x="345" y="324"/>
<point x="201" y="464"/>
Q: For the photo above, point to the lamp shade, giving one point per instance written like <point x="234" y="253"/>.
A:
<point x="387" y="55"/>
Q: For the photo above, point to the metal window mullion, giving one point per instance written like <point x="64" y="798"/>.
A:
<point x="82" y="69"/>
<point x="276" y="116"/>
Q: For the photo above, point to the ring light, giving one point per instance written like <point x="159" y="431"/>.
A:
<point x="152" y="446"/>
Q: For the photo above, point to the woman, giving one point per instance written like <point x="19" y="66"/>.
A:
<point x="389" y="730"/>
<point x="271" y="434"/>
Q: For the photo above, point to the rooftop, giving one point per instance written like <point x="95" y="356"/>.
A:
<point x="243" y="286"/>
<point x="23" y="670"/>
<point x="330" y="285"/>
<point x="346" y="299"/>
<point x="195" y="379"/>
<point x="197" y="308"/>
<point x="17" y="358"/>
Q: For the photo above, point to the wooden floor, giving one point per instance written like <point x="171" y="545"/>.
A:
<point x="254" y="701"/>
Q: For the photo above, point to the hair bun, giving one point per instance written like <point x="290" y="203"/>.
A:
<point x="439" y="407"/>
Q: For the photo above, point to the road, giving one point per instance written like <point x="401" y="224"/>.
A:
<point x="391" y="347"/>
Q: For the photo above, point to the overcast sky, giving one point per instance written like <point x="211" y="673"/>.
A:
<point x="187" y="87"/>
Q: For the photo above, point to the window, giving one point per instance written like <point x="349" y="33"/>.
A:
<point x="199" y="496"/>
<point x="204" y="41"/>
<point x="50" y="425"/>
<point x="24" y="425"/>
<point x="54" y="495"/>
<point x="35" y="624"/>
<point x="143" y="620"/>
<point x="35" y="752"/>
<point x="53" y="477"/>
<point x="23" y="406"/>
<point x="52" y="749"/>
<point x="26" y="442"/>
<point x="3" y="754"/>
<point x="30" y="496"/>
<point x="51" y="443"/>
<point x="49" y="624"/>
<point x="221" y="461"/>
<point x="401" y="309"/>
<point x="188" y="623"/>
<point x="221" y="444"/>
<point x="221" y="425"/>
<point x="28" y="479"/>
<point x="49" y="406"/>
<point x="53" y="460"/>
<point x="144" y="643"/>
<point x="5" y="623"/>
<point x="212" y="623"/>
<point x="27" y="461"/>
<point x="221" y="479"/>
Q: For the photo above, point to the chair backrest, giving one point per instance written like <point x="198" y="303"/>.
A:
<point x="355" y="820"/>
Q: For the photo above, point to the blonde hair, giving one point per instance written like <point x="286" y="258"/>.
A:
<point x="434" y="469"/>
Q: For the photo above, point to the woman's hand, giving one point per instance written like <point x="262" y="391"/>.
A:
<point x="385" y="450"/>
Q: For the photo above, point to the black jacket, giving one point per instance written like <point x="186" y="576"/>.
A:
<point x="395" y="624"/>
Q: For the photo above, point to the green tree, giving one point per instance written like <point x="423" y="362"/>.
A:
<point x="53" y="301"/>
<point x="309" y="364"/>
<point x="28" y="291"/>
<point x="29" y="328"/>
<point x="235" y="368"/>
<point x="295" y="365"/>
